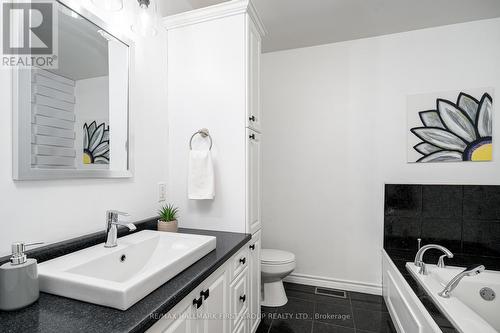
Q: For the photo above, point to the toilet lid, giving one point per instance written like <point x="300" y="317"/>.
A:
<point x="270" y="256"/>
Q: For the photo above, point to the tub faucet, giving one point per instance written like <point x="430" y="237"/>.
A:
<point x="469" y="271"/>
<point x="419" y="261"/>
<point x="111" y="227"/>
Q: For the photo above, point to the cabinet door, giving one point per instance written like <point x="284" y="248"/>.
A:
<point x="255" y="245"/>
<point x="181" y="319"/>
<point x="239" y="299"/>
<point x="184" y="324"/>
<point x="254" y="174"/>
<point x="254" y="106"/>
<point x="216" y="305"/>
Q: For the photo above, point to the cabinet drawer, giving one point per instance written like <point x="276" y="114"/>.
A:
<point x="240" y="297"/>
<point x="239" y="262"/>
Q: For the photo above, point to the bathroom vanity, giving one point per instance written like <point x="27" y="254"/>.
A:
<point x="227" y="301"/>
<point x="219" y="284"/>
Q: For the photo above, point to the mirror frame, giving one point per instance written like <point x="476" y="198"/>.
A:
<point x="21" y="115"/>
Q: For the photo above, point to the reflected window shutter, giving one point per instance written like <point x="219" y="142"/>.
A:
<point x="52" y="120"/>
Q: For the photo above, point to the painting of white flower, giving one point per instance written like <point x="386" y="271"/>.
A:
<point x="458" y="127"/>
<point x="95" y="143"/>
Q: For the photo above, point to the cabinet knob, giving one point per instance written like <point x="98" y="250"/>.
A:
<point x="243" y="260"/>
<point x="252" y="118"/>
<point x="243" y="298"/>
<point x="205" y="293"/>
<point x="252" y="136"/>
<point x="198" y="302"/>
<point x="252" y="247"/>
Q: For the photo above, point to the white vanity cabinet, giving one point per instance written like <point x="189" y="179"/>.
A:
<point x="226" y="302"/>
<point x="215" y="303"/>
<point x="199" y="311"/>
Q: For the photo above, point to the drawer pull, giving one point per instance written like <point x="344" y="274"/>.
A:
<point x="198" y="302"/>
<point x="243" y="298"/>
<point x="252" y="247"/>
<point x="243" y="260"/>
<point x="205" y="294"/>
<point x="252" y="136"/>
<point x="252" y="118"/>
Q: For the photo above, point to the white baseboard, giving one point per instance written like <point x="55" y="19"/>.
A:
<point x="320" y="281"/>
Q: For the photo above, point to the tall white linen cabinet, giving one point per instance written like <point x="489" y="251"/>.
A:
<point x="213" y="57"/>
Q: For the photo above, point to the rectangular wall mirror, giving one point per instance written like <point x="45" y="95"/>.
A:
<point x="73" y="121"/>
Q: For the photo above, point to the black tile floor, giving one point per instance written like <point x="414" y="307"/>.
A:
<point x="307" y="312"/>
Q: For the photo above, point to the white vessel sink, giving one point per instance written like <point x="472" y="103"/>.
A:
<point x="119" y="277"/>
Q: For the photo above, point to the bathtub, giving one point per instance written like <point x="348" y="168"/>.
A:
<point x="465" y="308"/>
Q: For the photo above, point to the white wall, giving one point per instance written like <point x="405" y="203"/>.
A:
<point x="55" y="210"/>
<point x="206" y="89"/>
<point x="335" y="132"/>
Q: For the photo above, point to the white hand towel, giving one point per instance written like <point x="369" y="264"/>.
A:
<point x="201" y="184"/>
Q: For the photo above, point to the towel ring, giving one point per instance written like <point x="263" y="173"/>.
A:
<point x="204" y="133"/>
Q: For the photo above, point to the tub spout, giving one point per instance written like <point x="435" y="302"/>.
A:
<point x="419" y="261"/>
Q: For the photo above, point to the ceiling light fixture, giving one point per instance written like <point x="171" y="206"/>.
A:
<point x="109" y="5"/>
<point x="146" y="21"/>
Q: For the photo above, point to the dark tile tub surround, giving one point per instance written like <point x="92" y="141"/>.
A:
<point x="465" y="219"/>
<point x="59" y="314"/>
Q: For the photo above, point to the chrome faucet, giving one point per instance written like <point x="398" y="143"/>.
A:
<point x="111" y="227"/>
<point x="419" y="261"/>
<point x="469" y="271"/>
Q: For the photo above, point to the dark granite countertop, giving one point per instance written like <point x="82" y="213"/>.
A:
<point x="59" y="314"/>
<point x="400" y="258"/>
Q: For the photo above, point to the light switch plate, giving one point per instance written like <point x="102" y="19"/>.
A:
<point x="162" y="192"/>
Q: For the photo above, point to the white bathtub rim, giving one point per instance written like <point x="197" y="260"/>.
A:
<point x="469" y="321"/>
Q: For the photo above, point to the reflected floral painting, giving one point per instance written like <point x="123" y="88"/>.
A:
<point x="95" y="143"/>
<point x="455" y="131"/>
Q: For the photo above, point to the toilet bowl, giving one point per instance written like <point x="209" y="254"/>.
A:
<point x="275" y="266"/>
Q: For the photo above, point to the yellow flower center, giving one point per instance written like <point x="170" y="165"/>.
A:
<point x="87" y="159"/>
<point x="483" y="153"/>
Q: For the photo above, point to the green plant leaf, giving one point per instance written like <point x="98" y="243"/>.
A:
<point x="168" y="213"/>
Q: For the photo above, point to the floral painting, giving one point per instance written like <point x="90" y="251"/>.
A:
<point x="95" y="143"/>
<point x="451" y="127"/>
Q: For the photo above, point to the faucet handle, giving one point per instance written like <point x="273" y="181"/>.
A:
<point x="112" y="215"/>
<point x="440" y="263"/>
<point x="116" y="213"/>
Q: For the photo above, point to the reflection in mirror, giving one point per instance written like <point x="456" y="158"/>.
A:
<point x="79" y="111"/>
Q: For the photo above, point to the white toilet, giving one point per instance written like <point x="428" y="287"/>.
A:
<point x="275" y="266"/>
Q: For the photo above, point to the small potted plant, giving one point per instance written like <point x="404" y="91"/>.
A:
<point x="168" y="218"/>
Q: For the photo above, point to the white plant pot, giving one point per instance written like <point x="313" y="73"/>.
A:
<point x="170" y="226"/>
